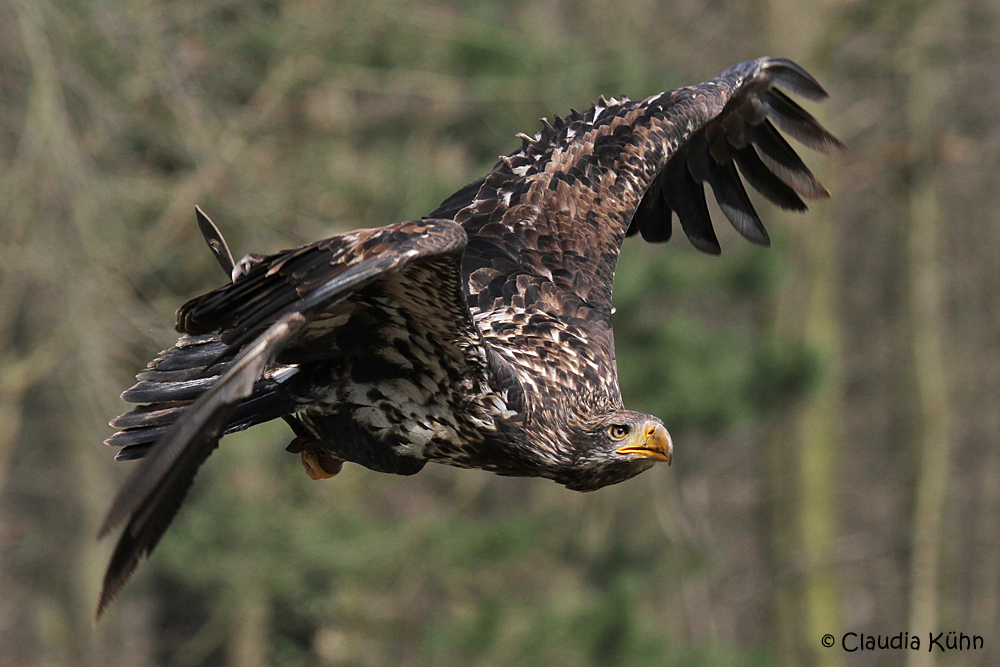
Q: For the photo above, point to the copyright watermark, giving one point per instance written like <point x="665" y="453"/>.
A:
<point x="901" y="641"/>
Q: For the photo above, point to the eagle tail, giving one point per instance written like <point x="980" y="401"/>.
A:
<point x="178" y="376"/>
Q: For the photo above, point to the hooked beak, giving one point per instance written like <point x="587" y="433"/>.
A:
<point x="655" y="443"/>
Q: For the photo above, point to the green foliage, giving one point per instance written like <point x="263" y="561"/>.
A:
<point x="678" y="358"/>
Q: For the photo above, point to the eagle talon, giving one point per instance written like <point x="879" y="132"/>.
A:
<point x="317" y="462"/>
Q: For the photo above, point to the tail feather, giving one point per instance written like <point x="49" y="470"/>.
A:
<point x="148" y="415"/>
<point x="146" y="391"/>
<point x="175" y="379"/>
<point x="136" y="436"/>
<point x="191" y="352"/>
<point x="139" y="441"/>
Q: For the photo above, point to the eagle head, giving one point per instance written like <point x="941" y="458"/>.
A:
<point x="613" y="446"/>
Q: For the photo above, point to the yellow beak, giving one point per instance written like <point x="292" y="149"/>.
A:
<point x="654" y="443"/>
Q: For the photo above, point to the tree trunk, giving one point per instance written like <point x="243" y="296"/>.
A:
<point x="804" y="450"/>
<point x="932" y="428"/>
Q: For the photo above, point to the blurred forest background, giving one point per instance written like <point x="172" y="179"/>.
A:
<point x="834" y="401"/>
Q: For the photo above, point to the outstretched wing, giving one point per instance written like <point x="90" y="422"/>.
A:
<point x="545" y="227"/>
<point x="283" y="309"/>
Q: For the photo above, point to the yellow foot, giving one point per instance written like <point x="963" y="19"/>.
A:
<point x="317" y="461"/>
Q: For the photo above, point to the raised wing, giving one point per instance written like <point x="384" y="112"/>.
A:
<point x="545" y="227"/>
<point x="281" y="311"/>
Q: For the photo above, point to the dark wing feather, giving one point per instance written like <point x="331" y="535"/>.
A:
<point x="741" y="137"/>
<point x="652" y="218"/>
<point x="728" y="189"/>
<point x="782" y="159"/>
<point x="784" y="72"/>
<point x="205" y="386"/>
<point x="216" y="242"/>
<point x="764" y="181"/>
<point x="686" y="196"/>
<point x="799" y="123"/>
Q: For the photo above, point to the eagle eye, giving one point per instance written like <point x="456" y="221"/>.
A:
<point x="618" y="431"/>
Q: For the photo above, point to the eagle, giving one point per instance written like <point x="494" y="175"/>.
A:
<point x="479" y="336"/>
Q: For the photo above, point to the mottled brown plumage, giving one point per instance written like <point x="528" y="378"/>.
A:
<point x="479" y="336"/>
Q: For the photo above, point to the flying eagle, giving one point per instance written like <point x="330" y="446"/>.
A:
<point x="479" y="336"/>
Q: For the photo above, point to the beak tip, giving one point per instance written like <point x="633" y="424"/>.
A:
<point x="665" y="442"/>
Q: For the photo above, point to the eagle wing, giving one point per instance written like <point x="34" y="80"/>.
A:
<point x="546" y="226"/>
<point x="281" y="311"/>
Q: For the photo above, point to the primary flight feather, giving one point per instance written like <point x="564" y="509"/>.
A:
<point x="479" y="336"/>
